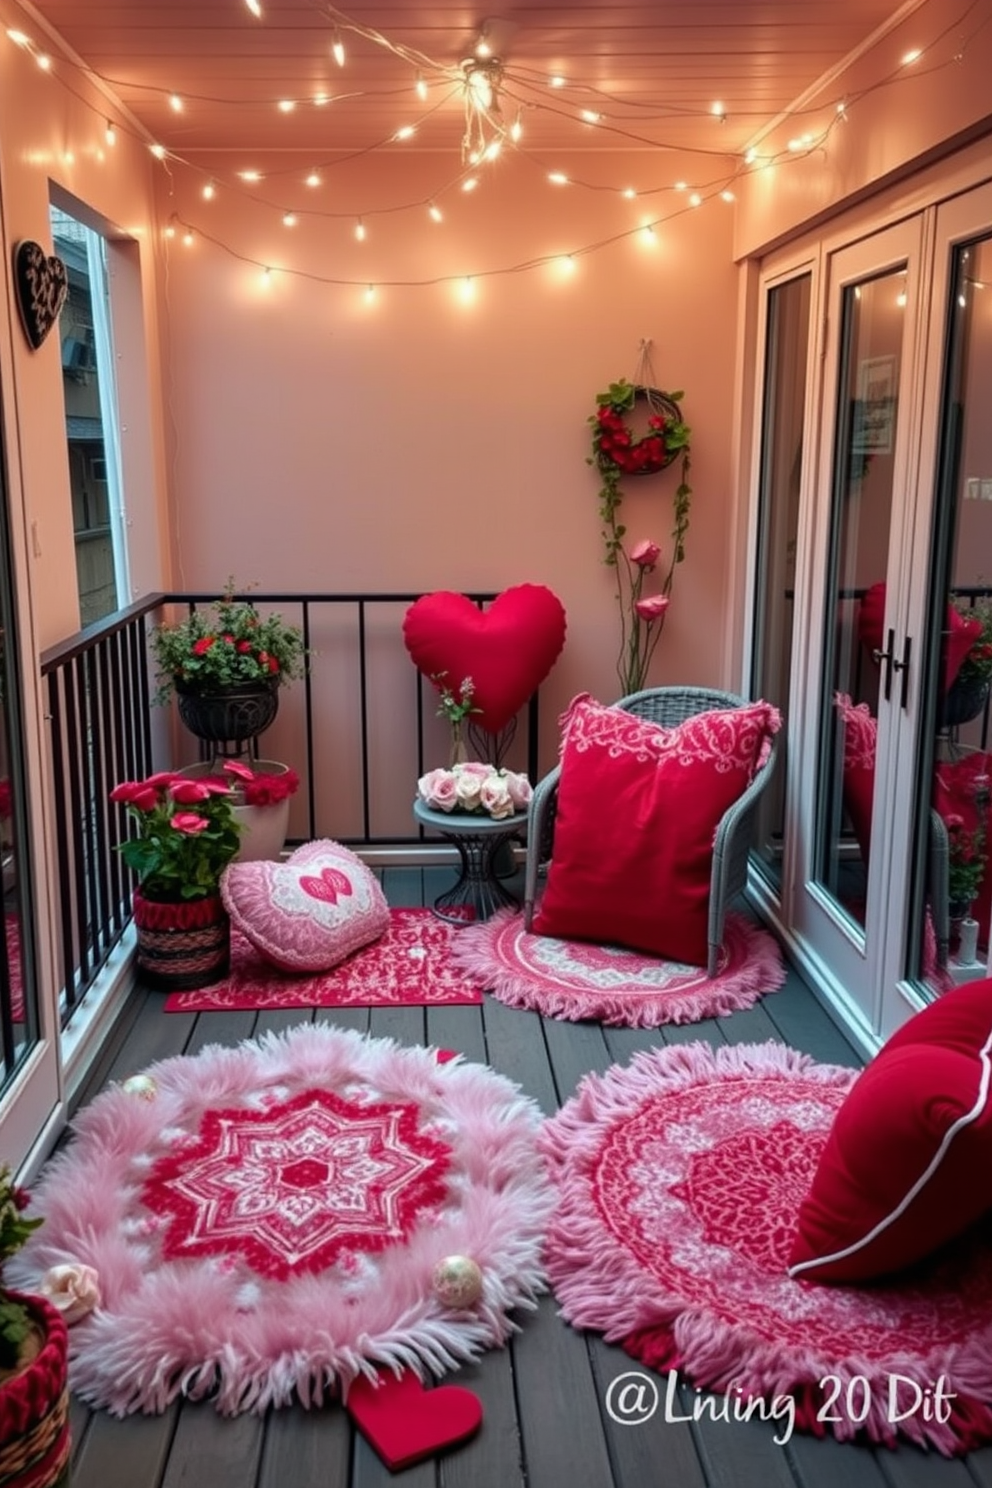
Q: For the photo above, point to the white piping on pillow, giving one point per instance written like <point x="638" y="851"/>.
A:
<point x="924" y="1178"/>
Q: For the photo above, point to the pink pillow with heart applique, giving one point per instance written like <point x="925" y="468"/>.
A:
<point x="310" y="912"/>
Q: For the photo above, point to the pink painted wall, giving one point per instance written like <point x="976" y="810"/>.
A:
<point x="50" y="137"/>
<point x="421" y="442"/>
<point x="897" y="118"/>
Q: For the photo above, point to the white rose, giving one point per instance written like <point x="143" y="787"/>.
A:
<point x="73" y="1290"/>
<point x="495" y="797"/>
<point x="468" y="791"/>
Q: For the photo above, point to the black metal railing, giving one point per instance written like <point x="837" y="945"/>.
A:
<point x="359" y="727"/>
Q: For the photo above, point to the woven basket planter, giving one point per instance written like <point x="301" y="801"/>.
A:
<point x="182" y="945"/>
<point x="34" y="1408"/>
<point x="228" y="717"/>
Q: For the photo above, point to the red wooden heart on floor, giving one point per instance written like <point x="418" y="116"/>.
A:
<point x="507" y="650"/>
<point x="406" y="1423"/>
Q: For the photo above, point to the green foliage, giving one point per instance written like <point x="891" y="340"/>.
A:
<point x="187" y="834"/>
<point x="226" y="644"/>
<point x="977" y="665"/>
<point x="14" y="1231"/>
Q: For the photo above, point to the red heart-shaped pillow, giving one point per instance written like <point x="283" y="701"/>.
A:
<point x="507" y="650"/>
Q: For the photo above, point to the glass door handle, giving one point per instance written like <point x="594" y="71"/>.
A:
<point x="903" y="666"/>
<point x="888" y="656"/>
<point x="893" y="665"/>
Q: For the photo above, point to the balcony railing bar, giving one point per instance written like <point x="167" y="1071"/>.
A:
<point x="99" y="706"/>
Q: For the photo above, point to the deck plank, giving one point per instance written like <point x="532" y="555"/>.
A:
<point x="654" y="1451"/>
<point x="304" y="1447"/>
<point x="563" y="1439"/>
<point x="131" y="1453"/>
<point x="212" y="1451"/>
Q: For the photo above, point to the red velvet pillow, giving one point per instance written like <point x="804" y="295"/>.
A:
<point x="638" y="807"/>
<point x="860" y="734"/>
<point x="908" y="1162"/>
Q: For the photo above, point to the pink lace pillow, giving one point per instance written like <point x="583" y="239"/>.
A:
<point x="307" y="913"/>
<point x="860" y="733"/>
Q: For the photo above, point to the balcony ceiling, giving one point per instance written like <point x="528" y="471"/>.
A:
<point x="652" y="71"/>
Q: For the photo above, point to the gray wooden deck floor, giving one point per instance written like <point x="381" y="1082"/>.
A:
<point x="545" y="1423"/>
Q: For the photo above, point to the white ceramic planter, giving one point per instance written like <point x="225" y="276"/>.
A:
<point x="263" y="828"/>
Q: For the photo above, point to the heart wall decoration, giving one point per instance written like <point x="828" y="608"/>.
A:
<point x="42" y="285"/>
<point x="507" y="649"/>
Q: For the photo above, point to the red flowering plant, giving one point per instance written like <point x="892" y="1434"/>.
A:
<point x="977" y="665"/>
<point x="224" y="645"/>
<point x="187" y="834"/>
<point x="967" y="841"/>
<point x="15" y="1228"/>
<point x="618" y="450"/>
<point x="252" y="787"/>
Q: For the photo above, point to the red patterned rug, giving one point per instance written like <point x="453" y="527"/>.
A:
<point x="679" y="1179"/>
<point x="271" y="1220"/>
<point x="577" y="979"/>
<point x="410" y="965"/>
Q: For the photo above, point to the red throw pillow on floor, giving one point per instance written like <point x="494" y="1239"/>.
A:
<point x="908" y="1162"/>
<point x="638" y="808"/>
<point x="860" y="736"/>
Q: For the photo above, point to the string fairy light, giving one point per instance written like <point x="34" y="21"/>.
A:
<point x="516" y="86"/>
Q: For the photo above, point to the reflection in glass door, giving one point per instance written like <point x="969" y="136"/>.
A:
<point x="859" y="663"/>
<point x="956" y="765"/>
<point x="783" y="418"/>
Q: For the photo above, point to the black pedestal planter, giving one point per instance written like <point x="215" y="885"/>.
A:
<point x="965" y="700"/>
<point x="227" y="717"/>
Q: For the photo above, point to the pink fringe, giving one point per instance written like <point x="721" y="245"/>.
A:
<point x="171" y="1328"/>
<point x="756" y="968"/>
<point x="600" y="1285"/>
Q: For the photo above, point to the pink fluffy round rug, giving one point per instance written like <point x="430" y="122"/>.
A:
<point x="679" y="1180"/>
<point x="266" y="1220"/>
<point x="576" y="979"/>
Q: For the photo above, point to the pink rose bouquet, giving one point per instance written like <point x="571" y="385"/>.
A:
<point x="474" y="786"/>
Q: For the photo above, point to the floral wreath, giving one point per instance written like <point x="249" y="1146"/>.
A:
<point x="618" y="451"/>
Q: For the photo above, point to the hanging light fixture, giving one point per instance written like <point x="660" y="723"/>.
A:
<point x="485" y="129"/>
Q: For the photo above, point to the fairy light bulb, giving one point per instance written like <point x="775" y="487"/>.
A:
<point x="727" y="196"/>
<point x="266" y="276"/>
<point x="516" y="129"/>
<point x="467" y="289"/>
<point x="313" y="179"/>
<point x="321" y="100"/>
<point x="250" y="176"/>
<point x="470" y="183"/>
<point x="158" y="151"/>
<point x="434" y="212"/>
<point x="110" y="133"/>
<point x="718" y="111"/>
<point x="557" y="81"/>
<point x="370" y="294"/>
<point x="629" y="194"/>
<point x="286" y="105"/>
<point x="337" y="48"/>
<point x="557" y="178"/>
<point x="360" y="230"/>
<point x="188" y="238"/>
<point x="421" y="87"/>
<point x="695" y="199"/>
<point x="405" y="132"/>
<point x="169" y="231"/>
<point x="18" y="37"/>
<point x="175" y="103"/>
<point x="209" y="191"/>
<point x="255" y="8"/>
<point x="44" y="61"/>
<point x="912" y="56"/>
<point x="589" y="116"/>
<point x="492" y="150"/>
<point x="289" y="219"/>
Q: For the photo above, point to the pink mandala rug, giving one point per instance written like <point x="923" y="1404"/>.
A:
<point x="409" y="966"/>
<point x="576" y="979"/>
<point x="679" y="1179"/>
<point x="271" y="1220"/>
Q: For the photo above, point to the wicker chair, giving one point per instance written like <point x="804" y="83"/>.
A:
<point x="667" y="706"/>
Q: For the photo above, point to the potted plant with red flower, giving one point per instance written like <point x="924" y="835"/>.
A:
<point x="34" y="1400"/>
<point x="187" y="833"/>
<point x="225" y="664"/>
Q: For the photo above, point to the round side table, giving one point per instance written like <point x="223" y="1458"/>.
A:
<point x="478" y="839"/>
